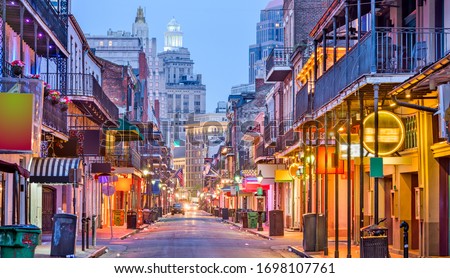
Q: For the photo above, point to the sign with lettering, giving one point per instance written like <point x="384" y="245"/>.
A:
<point x="391" y="133"/>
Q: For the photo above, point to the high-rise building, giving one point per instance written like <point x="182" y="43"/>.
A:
<point x="184" y="93"/>
<point x="269" y="34"/>
<point x="204" y="136"/>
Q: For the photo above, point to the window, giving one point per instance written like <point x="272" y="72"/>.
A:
<point x="110" y="43"/>
<point x="100" y="43"/>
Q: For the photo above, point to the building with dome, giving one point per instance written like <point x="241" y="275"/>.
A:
<point x="173" y="38"/>
<point x="184" y="93"/>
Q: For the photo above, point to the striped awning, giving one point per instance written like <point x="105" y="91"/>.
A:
<point x="53" y="169"/>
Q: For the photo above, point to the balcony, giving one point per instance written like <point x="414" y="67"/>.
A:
<point x="54" y="118"/>
<point x="278" y="64"/>
<point x="52" y="24"/>
<point x="270" y="135"/>
<point x="400" y="52"/>
<point x="303" y="101"/>
<point x="123" y="157"/>
<point x="262" y="153"/>
<point x="90" y="98"/>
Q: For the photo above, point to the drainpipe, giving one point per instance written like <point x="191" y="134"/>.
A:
<point x="413" y="106"/>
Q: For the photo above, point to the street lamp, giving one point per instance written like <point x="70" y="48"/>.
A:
<point x="148" y="181"/>
<point x="238" y="179"/>
<point x="259" y="177"/>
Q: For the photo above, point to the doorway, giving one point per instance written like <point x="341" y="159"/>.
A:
<point x="48" y="207"/>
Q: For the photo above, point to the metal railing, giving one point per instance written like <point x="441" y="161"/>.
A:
<point x="398" y="51"/>
<point x="54" y="118"/>
<point x="120" y="157"/>
<point x="279" y="57"/>
<point x="270" y="134"/>
<point x="74" y="88"/>
<point x="53" y="21"/>
<point x="303" y="101"/>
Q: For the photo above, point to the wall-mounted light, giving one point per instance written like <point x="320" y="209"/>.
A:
<point x="259" y="177"/>
<point x="238" y="177"/>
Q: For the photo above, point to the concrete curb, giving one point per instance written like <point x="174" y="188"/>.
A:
<point x="99" y="252"/>
<point x="299" y="252"/>
<point x="247" y="230"/>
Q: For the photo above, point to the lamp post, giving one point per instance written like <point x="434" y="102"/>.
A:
<point x="238" y="179"/>
<point x="148" y="181"/>
<point x="260" y="202"/>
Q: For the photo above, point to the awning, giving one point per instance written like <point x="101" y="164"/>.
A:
<point x="253" y="187"/>
<point x="127" y="131"/>
<point x="53" y="169"/>
<point x="13" y="167"/>
<point x="282" y="176"/>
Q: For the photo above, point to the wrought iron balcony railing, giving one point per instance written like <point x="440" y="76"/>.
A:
<point x="53" y="117"/>
<point x="83" y="87"/>
<point x="278" y="64"/>
<point x="52" y="20"/>
<point x="398" y="51"/>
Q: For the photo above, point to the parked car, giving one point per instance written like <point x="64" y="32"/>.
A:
<point x="177" y="208"/>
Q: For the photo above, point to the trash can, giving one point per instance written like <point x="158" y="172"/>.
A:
<point x="276" y="223"/>
<point x="225" y="213"/>
<point x="231" y="213"/>
<point x="63" y="235"/>
<point x="160" y="212"/>
<point x="244" y="218"/>
<point x="146" y="217"/>
<point x="18" y="241"/>
<point x="374" y="242"/>
<point x="309" y="232"/>
<point x="131" y="219"/>
<point x="216" y="212"/>
<point x="252" y="219"/>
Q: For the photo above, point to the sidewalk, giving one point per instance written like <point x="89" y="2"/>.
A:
<point x="103" y="238"/>
<point x="292" y="239"/>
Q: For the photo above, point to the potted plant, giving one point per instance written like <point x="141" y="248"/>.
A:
<point x="17" y="67"/>
<point x="54" y="96"/>
<point x="64" y="103"/>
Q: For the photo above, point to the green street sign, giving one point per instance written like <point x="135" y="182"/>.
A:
<point x="259" y="191"/>
<point x="376" y="167"/>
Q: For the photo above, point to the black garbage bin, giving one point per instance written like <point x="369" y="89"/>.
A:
<point x="374" y="242"/>
<point x="160" y="212"/>
<point x="309" y="232"/>
<point x="131" y="219"/>
<point x="64" y="235"/>
<point x="276" y="223"/>
<point x="216" y="212"/>
<point x="225" y="213"/>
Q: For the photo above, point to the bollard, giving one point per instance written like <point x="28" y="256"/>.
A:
<point x="405" y="227"/>
<point x="94" y="230"/>
<point x="87" y="232"/>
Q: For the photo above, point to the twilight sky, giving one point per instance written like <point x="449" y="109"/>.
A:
<point x="217" y="33"/>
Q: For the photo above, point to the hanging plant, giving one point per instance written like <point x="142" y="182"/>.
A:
<point x="64" y="103"/>
<point x="54" y="96"/>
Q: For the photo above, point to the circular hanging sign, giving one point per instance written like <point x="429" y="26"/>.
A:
<point x="391" y="133"/>
<point x="108" y="190"/>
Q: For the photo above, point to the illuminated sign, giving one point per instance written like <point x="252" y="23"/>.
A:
<point x="16" y="122"/>
<point x="391" y="133"/>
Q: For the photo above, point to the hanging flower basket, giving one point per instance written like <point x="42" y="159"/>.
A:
<point x="54" y="96"/>
<point x="17" y="67"/>
<point x="64" y="103"/>
<point x="63" y="106"/>
<point x="17" y="71"/>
